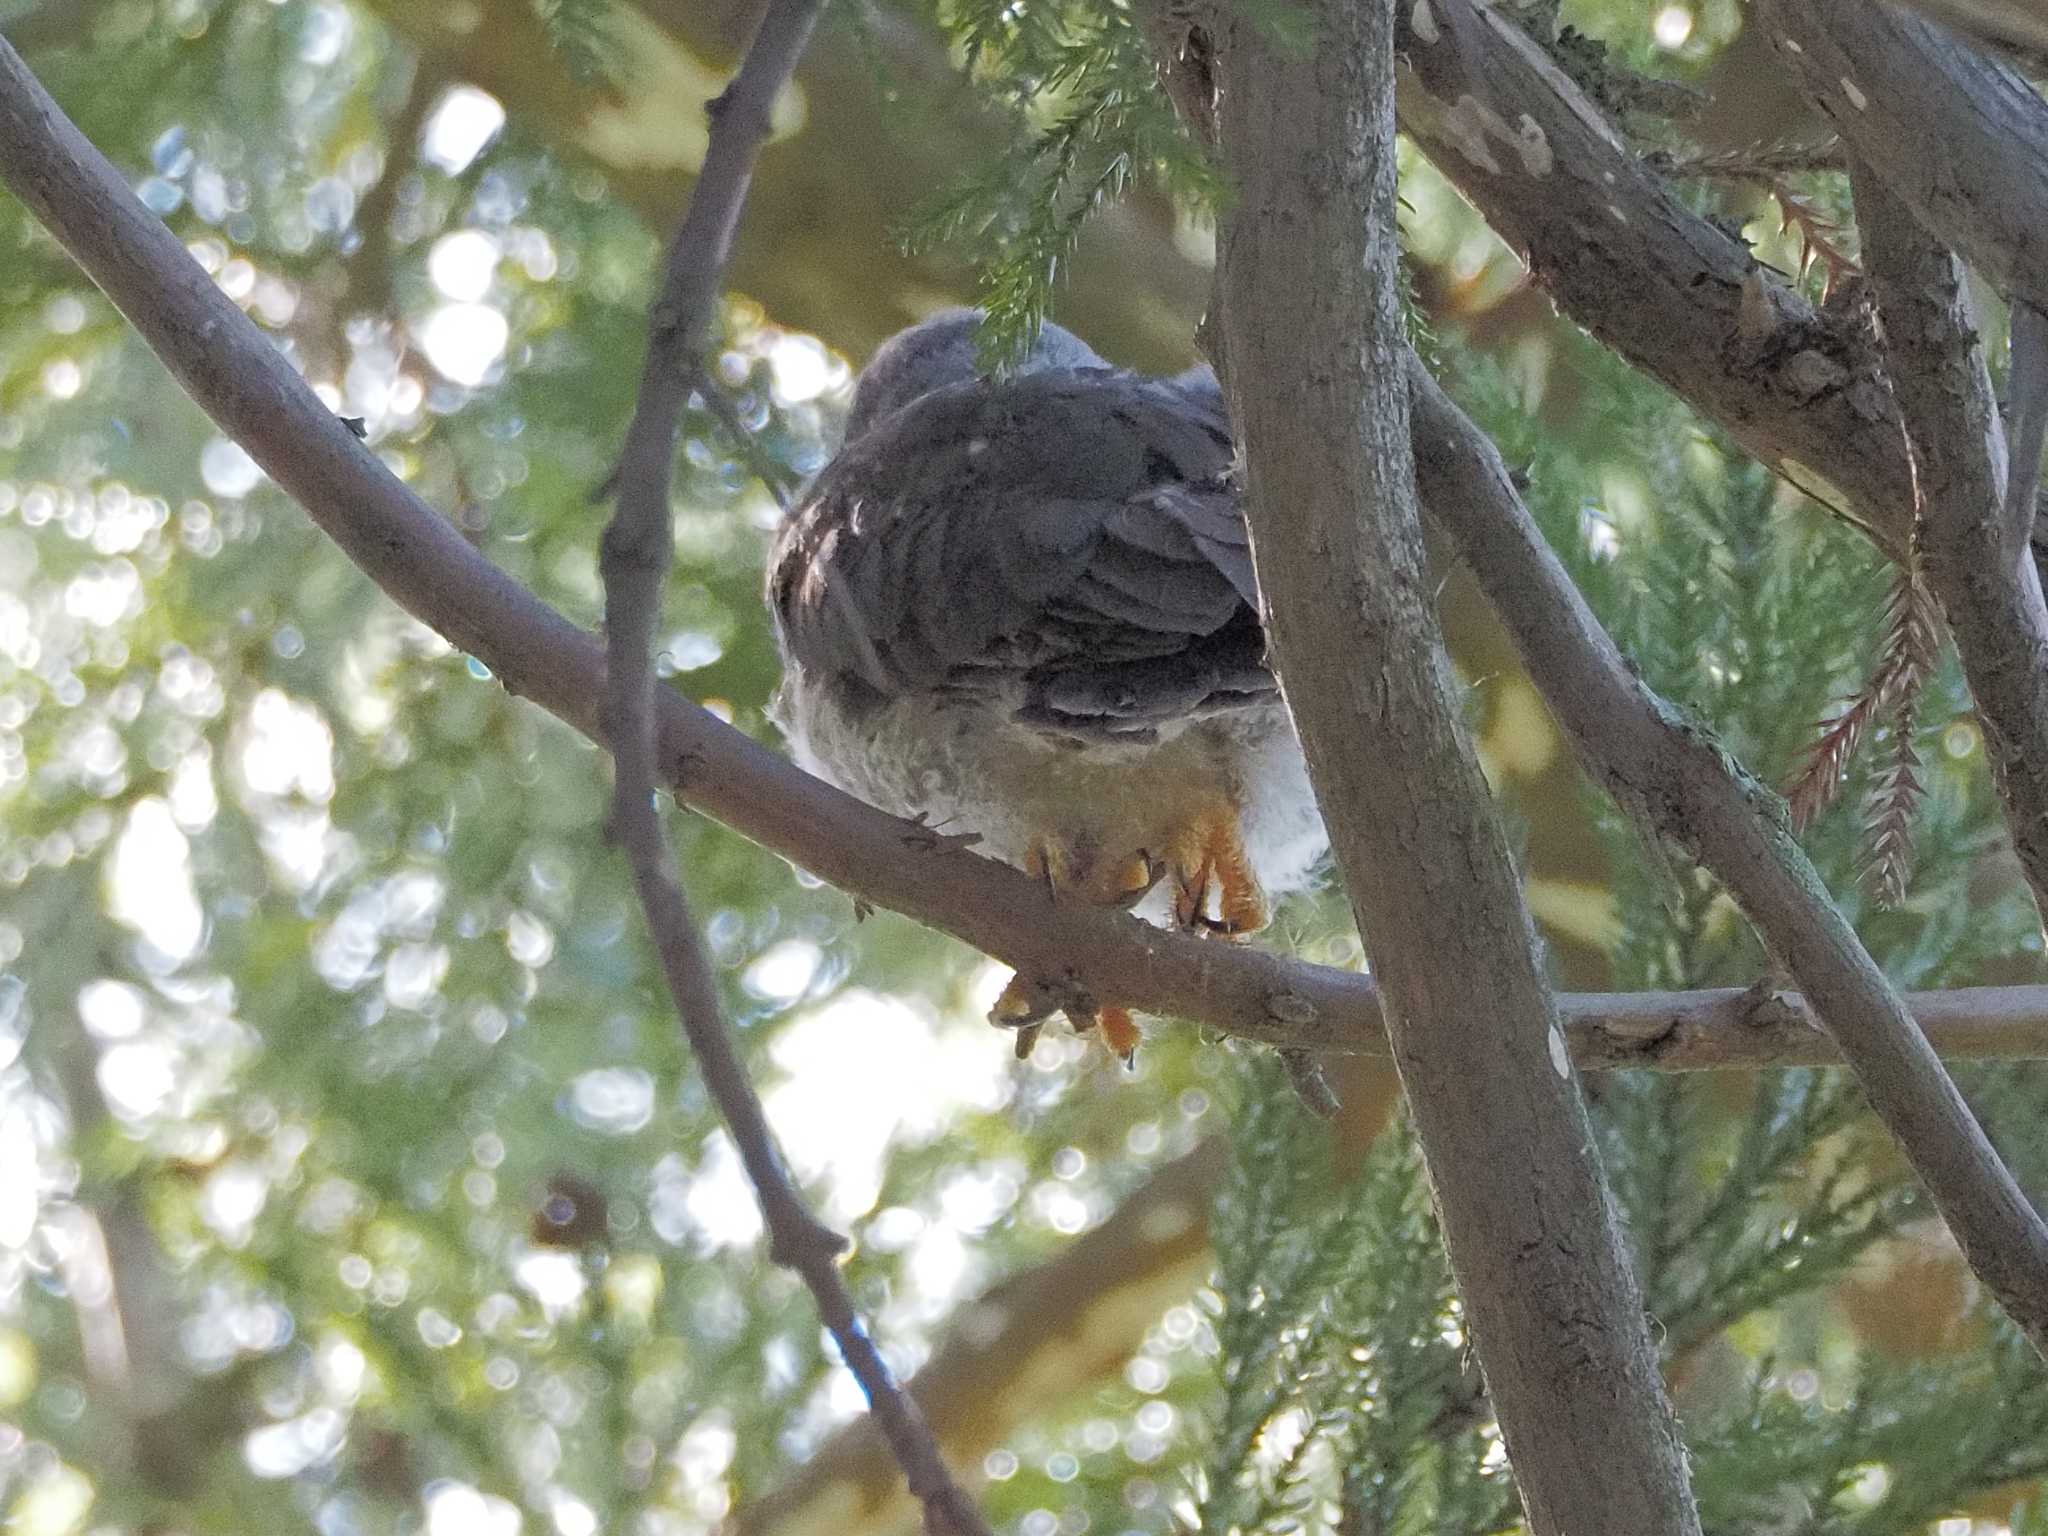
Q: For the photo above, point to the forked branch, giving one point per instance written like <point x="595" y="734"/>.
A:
<point x="1681" y="783"/>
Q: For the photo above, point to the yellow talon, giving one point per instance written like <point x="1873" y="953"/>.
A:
<point x="1120" y="1033"/>
<point x="1212" y="871"/>
<point x="1214" y="889"/>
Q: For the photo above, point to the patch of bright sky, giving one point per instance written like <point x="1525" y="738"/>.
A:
<point x="289" y="1448"/>
<point x="801" y="369"/>
<point x="464" y="341"/>
<point x="227" y="468"/>
<point x="287" y="748"/>
<point x="463" y="338"/>
<point x="865" y="1071"/>
<point x="138" y="1078"/>
<point x="615" y="1101"/>
<point x="1672" y="27"/>
<point x="571" y="1515"/>
<point x="555" y="1280"/>
<point x="466" y="120"/>
<point x="149" y="880"/>
<point x="712" y="1203"/>
<point x="234" y="1196"/>
<point x="456" y="1509"/>
<point x="463" y="264"/>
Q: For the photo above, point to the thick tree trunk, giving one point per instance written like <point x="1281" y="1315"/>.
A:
<point x="1314" y="351"/>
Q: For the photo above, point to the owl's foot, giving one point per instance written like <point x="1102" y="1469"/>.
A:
<point x="1026" y="1003"/>
<point x="1214" y="887"/>
<point x="1120" y="1033"/>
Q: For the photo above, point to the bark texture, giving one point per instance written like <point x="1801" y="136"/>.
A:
<point x="2021" y="25"/>
<point x="1680" y="783"/>
<point x="1619" y="253"/>
<point x="1312" y="338"/>
<point x="1961" y="137"/>
<point x="1976" y="561"/>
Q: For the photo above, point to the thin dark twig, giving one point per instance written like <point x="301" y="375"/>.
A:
<point x="424" y="565"/>
<point x="638" y="548"/>
<point x="765" y="469"/>
<point x="2027" y="396"/>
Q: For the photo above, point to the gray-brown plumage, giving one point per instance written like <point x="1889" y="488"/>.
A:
<point x="1024" y="607"/>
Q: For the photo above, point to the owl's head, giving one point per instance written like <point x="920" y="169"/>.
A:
<point x="941" y="351"/>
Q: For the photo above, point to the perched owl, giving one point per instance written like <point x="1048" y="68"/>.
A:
<point x="1023" y="607"/>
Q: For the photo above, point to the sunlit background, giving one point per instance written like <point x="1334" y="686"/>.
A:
<point x="353" y="1176"/>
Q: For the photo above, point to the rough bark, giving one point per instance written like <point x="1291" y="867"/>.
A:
<point x="1960" y="137"/>
<point x="1678" y="781"/>
<point x="2020" y="25"/>
<point x="1618" y="252"/>
<point x="419" y="560"/>
<point x="1312" y="338"/>
<point x="1977" y="563"/>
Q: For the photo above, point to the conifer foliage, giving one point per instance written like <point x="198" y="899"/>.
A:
<point x="351" y="1175"/>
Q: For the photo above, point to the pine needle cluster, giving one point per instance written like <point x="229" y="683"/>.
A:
<point x="1088" y="121"/>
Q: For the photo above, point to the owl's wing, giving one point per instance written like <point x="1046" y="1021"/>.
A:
<point x="1069" y="544"/>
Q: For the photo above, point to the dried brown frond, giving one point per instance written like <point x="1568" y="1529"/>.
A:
<point x="1767" y="166"/>
<point x="1893" y="806"/>
<point x="1904" y="663"/>
<point x="1818" y="237"/>
<point x="1813" y="789"/>
<point x="1761" y="163"/>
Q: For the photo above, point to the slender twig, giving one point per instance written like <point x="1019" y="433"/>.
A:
<point x="638" y="548"/>
<point x="1764" y="164"/>
<point x="2027" y="385"/>
<point x="1977" y="562"/>
<point x="1688" y="789"/>
<point x="1031" y="1331"/>
<point x="372" y="289"/>
<point x="425" y="565"/>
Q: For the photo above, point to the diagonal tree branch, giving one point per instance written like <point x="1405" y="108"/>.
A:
<point x="1960" y="137"/>
<point x="1312" y="345"/>
<point x="220" y="357"/>
<point x="1674" y="776"/>
<point x="2027" y="413"/>
<point x="2021" y="25"/>
<point x="1620" y="254"/>
<point x="1983" y="575"/>
<point x="424" y="564"/>
<point x="638" y="548"/>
